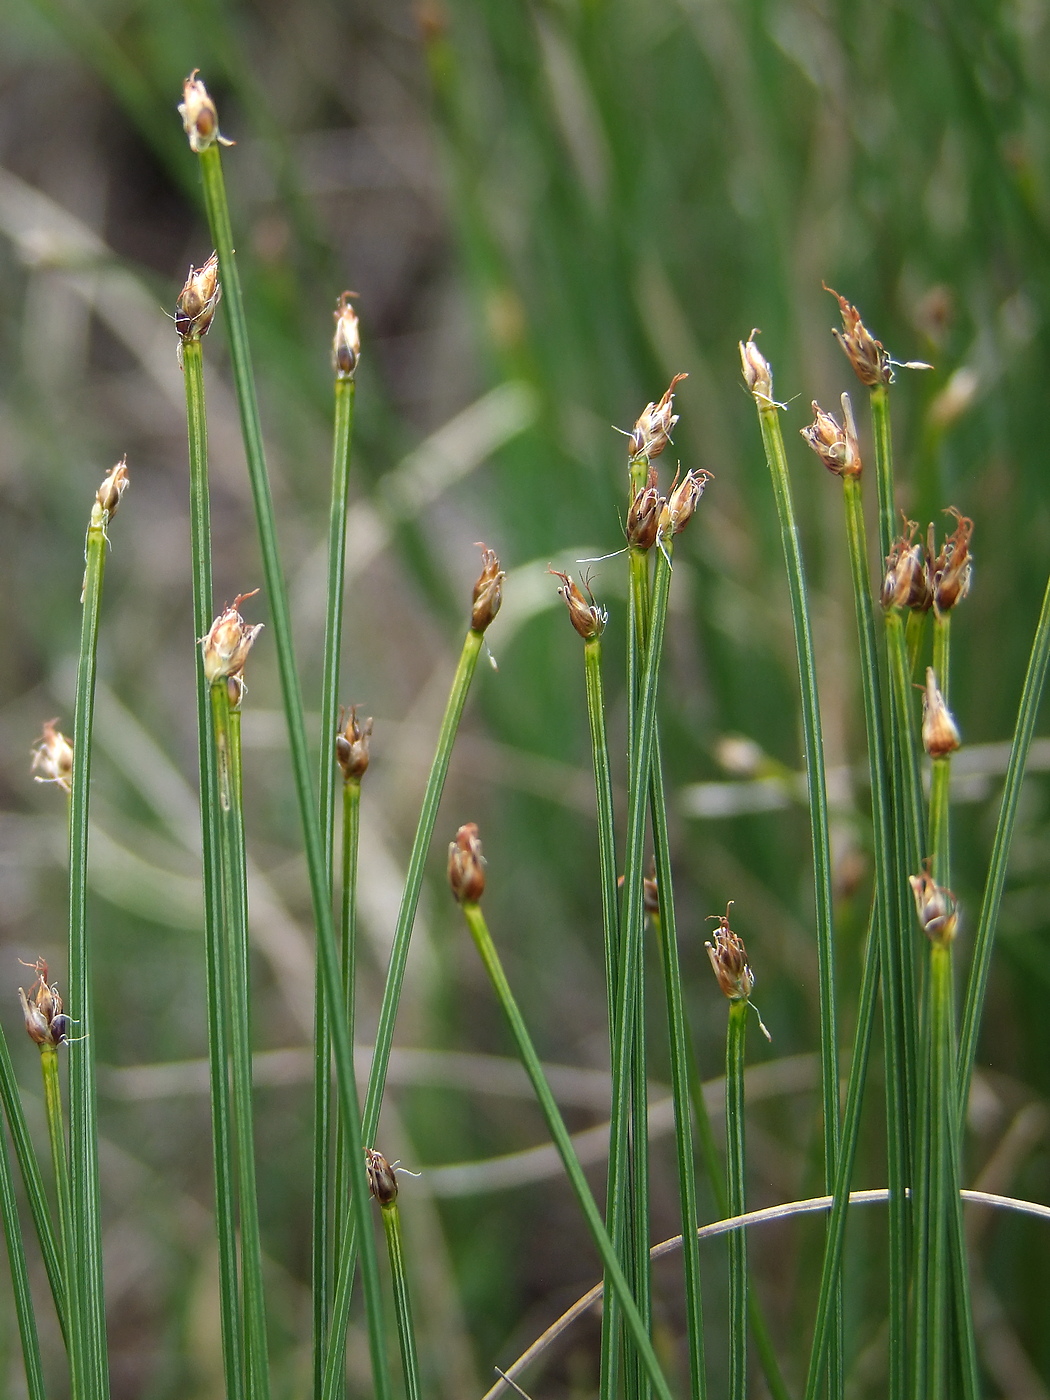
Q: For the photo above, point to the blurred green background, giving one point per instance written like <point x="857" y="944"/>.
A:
<point x="547" y="209"/>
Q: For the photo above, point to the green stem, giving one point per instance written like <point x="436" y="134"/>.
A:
<point x="23" y="1298"/>
<point x="592" y="668"/>
<point x="1028" y="710"/>
<point x="324" y="1117"/>
<point x="737" y="1239"/>
<point x="56" y="1137"/>
<point x="896" y="1019"/>
<point x="820" y="837"/>
<point x="406" y="915"/>
<point x="563" y="1142"/>
<point x="32" y="1181"/>
<point x="665" y="927"/>
<point x="402" y="1302"/>
<point x="348" y="959"/>
<point x="84" y="1283"/>
<point x="217" y="991"/>
<point x="913" y="827"/>
<point x="940" y="1171"/>
<point x="334" y="1365"/>
<point x="836" y="1229"/>
<point x="237" y="982"/>
<point x="713" y="1167"/>
<point x="342" y="1051"/>
<point x="883" y="438"/>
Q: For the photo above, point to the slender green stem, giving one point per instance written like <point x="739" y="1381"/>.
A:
<point x="624" y="1223"/>
<point x="334" y="1367"/>
<point x="820" y="837"/>
<point x="406" y="915"/>
<point x="32" y="1181"/>
<point x="941" y="1173"/>
<point x="402" y="1303"/>
<point x="883" y="438"/>
<point x="714" y="1169"/>
<point x="592" y="668"/>
<point x="899" y="1084"/>
<point x="468" y="661"/>
<point x="217" y="990"/>
<point x="84" y="1283"/>
<point x="735" y="1036"/>
<point x="23" y="1297"/>
<point x="836" y="1231"/>
<point x="563" y="1142"/>
<point x="227" y="722"/>
<point x="665" y="927"/>
<point x="912" y="826"/>
<point x="348" y="959"/>
<point x="1028" y="710"/>
<point x="324" y="1118"/>
<point x="342" y="1051"/>
<point x="63" y="1194"/>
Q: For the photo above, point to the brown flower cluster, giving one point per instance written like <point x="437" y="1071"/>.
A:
<point x="919" y="576"/>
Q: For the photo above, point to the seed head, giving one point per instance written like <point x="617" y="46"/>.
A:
<point x="113" y="487"/>
<point x="352" y="745"/>
<point x="584" y="613"/>
<point x="952" y="570"/>
<point x="488" y="591"/>
<point x="466" y="865"/>
<point x="682" y="502"/>
<point x="837" y="447"/>
<point x="382" y="1177"/>
<point x="643" y="517"/>
<point x="758" y="374"/>
<point x="228" y="642"/>
<point x="53" y="757"/>
<point x="936" y="907"/>
<point x="46" y="1025"/>
<point x="346" y="346"/>
<point x="200" y="120"/>
<point x="729" y="960"/>
<point x="907" y="580"/>
<point x="871" y="363"/>
<point x="652" y="432"/>
<point x="940" y="734"/>
<point x="200" y="295"/>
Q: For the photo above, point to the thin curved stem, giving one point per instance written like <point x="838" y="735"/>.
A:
<point x="560" y="1135"/>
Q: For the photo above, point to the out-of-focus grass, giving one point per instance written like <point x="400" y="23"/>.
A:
<point x="585" y="198"/>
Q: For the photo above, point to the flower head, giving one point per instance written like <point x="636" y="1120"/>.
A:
<point x="352" y="745"/>
<point x="46" y="1024"/>
<point x="940" y="734"/>
<point x="936" y="907"/>
<point x="200" y="295"/>
<point x="466" y="865"/>
<point x="907" y="580"/>
<point x="228" y="642"/>
<point x="114" y="484"/>
<point x="837" y="447"/>
<point x="871" y="363"/>
<point x="682" y="502"/>
<point x="488" y="591"/>
<point x="652" y="432"/>
<point x="729" y="960"/>
<point x="382" y="1177"/>
<point x="952" y="570"/>
<point x="584" y="613"/>
<point x="758" y="375"/>
<point x="200" y="120"/>
<point x="53" y="757"/>
<point x="346" y="345"/>
<point x="643" y="516"/>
